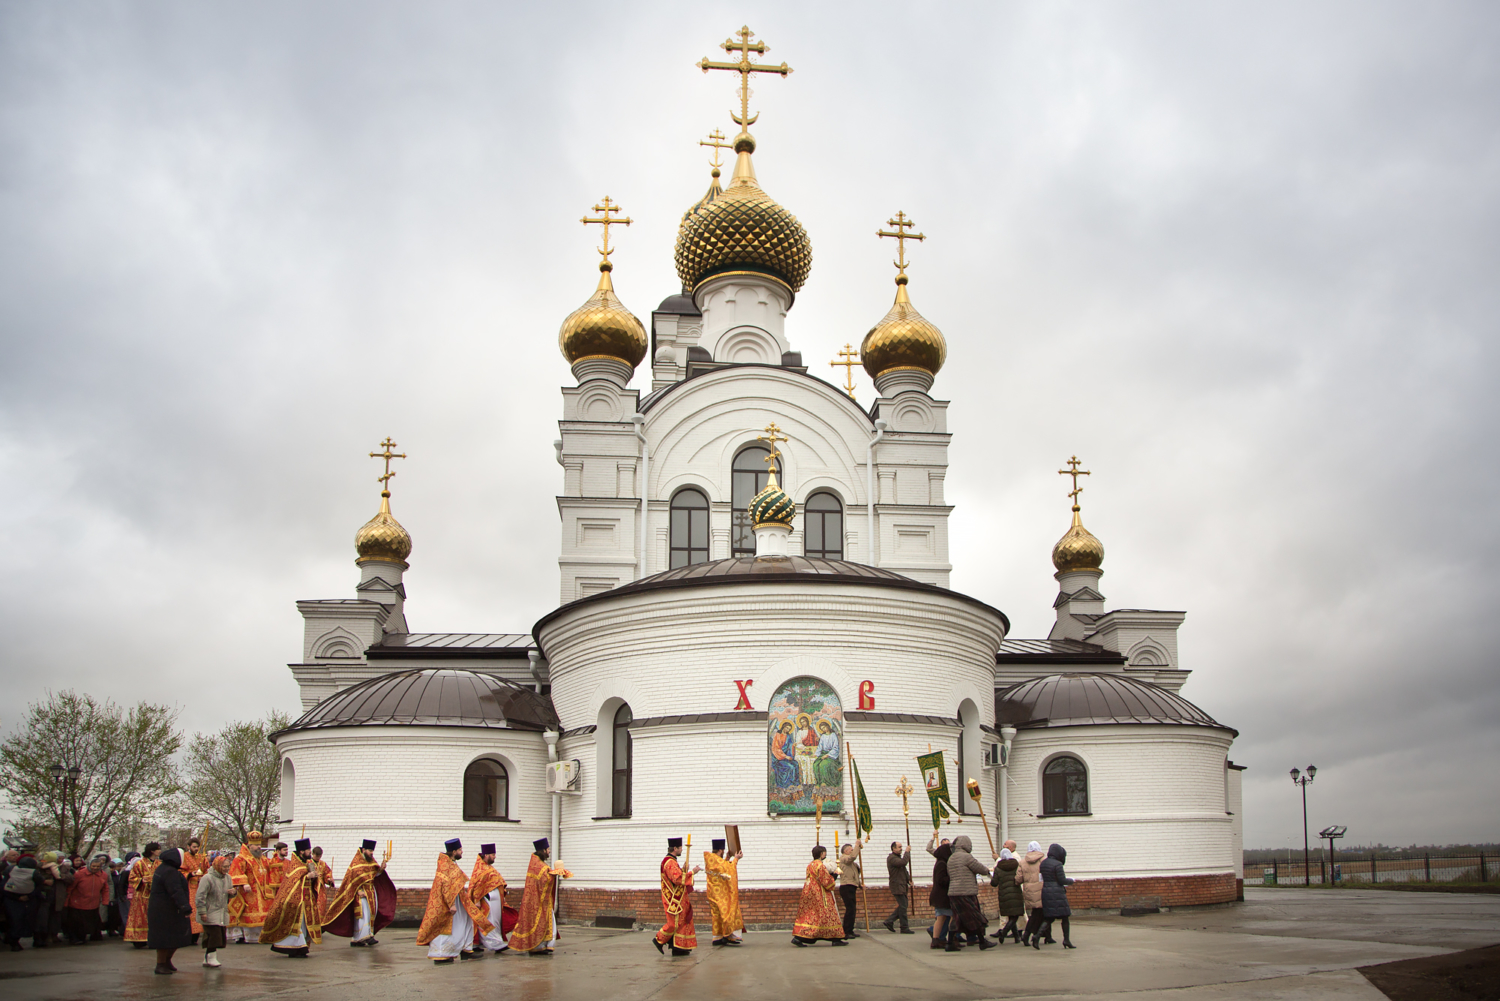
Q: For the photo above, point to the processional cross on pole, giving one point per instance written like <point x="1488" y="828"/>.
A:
<point x="744" y="67"/>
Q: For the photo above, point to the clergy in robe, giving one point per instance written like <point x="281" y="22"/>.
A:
<point x="142" y="872"/>
<point x="487" y="891"/>
<point x="253" y="892"/>
<point x="451" y="917"/>
<point x="723" y="888"/>
<point x="536" y="926"/>
<point x="294" y="923"/>
<point x="676" y="902"/>
<point x="818" y="911"/>
<point x="194" y="864"/>
<point x="365" y="901"/>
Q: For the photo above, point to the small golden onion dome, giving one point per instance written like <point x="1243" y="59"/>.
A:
<point x="904" y="339"/>
<point x="772" y="506"/>
<point x="602" y="326"/>
<point x="1077" y="549"/>
<point x="741" y="228"/>
<point x="382" y="537"/>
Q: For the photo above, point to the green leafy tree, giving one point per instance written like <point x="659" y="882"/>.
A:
<point x="234" y="778"/>
<point x="115" y="762"/>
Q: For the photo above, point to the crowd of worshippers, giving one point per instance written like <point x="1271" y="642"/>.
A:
<point x="285" y="896"/>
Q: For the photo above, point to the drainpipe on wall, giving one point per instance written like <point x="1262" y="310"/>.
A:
<point x="871" y="548"/>
<point x="639" y="420"/>
<point x="550" y="736"/>
<point x="1007" y="735"/>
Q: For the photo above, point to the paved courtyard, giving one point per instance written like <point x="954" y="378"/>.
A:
<point x="1281" y="943"/>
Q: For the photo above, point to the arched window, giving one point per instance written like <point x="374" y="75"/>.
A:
<point x="689" y="536"/>
<point x="748" y="477"/>
<point x="620" y="803"/>
<point x="288" y="789"/>
<point x="1065" y="787"/>
<point x="486" y="791"/>
<point x="823" y="527"/>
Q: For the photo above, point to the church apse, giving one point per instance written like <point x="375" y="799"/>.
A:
<point x="805" y="754"/>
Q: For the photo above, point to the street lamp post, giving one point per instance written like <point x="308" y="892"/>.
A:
<point x="1303" y="780"/>
<point x="69" y="780"/>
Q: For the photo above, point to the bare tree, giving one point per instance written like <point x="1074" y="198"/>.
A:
<point x="113" y="762"/>
<point x="234" y="777"/>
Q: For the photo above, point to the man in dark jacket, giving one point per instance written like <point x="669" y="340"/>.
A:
<point x="1055" y="895"/>
<point x="898" y="869"/>
<point x="167" y="925"/>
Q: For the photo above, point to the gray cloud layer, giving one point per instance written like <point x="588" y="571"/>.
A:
<point x="1239" y="258"/>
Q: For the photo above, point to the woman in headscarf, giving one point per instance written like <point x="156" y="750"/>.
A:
<point x="168" y="927"/>
<point x="1029" y="874"/>
<point x="942" y="912"/>
<point x="1012" y="902"/>
<point x="1055" y="894"/>
<point x="963" y="896"/>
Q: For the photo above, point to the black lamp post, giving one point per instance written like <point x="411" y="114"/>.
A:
<point x="1303" y="780"/>
<point x="69" y="779"/>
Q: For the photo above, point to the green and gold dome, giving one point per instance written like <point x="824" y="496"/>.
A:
<point x="383" y="537"/>
<point x="772" y="506"/>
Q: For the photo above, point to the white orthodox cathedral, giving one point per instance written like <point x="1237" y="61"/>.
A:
<point x="754" y="568"/>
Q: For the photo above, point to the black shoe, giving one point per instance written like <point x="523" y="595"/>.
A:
<point x="356" y="945"/>
<point x="985" y="943"/>
<point x="466" y="956"/>
<point x="442" y="962"/>
<point x="907" y="931"/>
<point x="1049" y="940"/>
<point x="657" y="943"/>
<point x="721" y="941"/>
<point x="1036" y="944"/>
<point x="795" y="941"/>
<point x="681" y="952"/>
<point x="372" y="941"/>
<point x="164" y="970"/>
<point x="1068" y="945"/>
<point x="953" y="948"/>
<point x="852" y="934"/>
<point x="839" y="941"/>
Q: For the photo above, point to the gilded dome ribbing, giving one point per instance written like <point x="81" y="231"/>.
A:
<point x="903" y="339"/>
<point x="382" y="537"/>
<point x="742" y="229"/>
<point x="1078" y="549"/>
<point x="772" y="506"/>
<point x="602" y="326"/>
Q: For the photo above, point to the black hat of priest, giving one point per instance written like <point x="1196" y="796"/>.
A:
<point x="367" y="845"/>
<point x="674" y="842"/>
<point x="304" y="844"/>
<point x="541" y="844"/>
<point x="452" y="844"/>
<point x="486" y="849"/>
<point x="718" y="845"/>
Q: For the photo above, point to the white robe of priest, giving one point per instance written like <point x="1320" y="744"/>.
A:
<point x="460" y="939"/>
<point x="493" y="939"/>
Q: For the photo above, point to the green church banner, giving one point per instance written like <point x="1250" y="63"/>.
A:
<point x="935" y="781"/>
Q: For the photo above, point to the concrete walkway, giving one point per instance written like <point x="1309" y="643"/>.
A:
<point x="1281" y="943"/>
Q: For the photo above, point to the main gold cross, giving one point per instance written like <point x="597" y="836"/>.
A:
<point x="716" y="140"/>
<point x="1074" y="472"/>
<point x="605" y="210"/>
<point x="773" y="435"/>
<point x="744" y="67"/>
<point x="850" y="359"/>
<point x="387" y="455"/>
<point x="901" y="235"/>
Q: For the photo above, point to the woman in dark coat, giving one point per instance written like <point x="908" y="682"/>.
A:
<point x="167" y="926"/>
<point x="1055" y="894"/>
<point x="1008" y="893"/>
<point x="938" y="897"/>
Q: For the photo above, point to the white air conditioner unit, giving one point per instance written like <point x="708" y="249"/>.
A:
<point x="565" y="777"/>
<point x="993" y="755"/>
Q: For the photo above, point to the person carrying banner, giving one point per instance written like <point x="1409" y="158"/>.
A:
<point x="487" y="891"/>
<point x="365" y="901"/>
<point x="536" y="927"/>
<point x="451" y="917"/>
<point x="818" y="910"/>
<point x="723" y="888"/>
<point x="676" y="891"/>
<point x="293" y="924"/>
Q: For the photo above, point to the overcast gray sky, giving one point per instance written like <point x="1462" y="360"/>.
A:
<point x="1240" y="257"/>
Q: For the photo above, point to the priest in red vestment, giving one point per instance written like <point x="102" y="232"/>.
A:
<point x="818" y="911"/>
<point x="536" y="926"/>
<point x="676" y="891"/>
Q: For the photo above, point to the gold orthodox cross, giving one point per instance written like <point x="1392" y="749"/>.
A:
<point x="850" y="359"/>
<point x="744" y="67"/>
<point x="901" y="235"/>
<point x="605" y="210"/>
<point x="1074" y="472"/>
<point x="716" y="140"/>
<point x="387" y="455"/>
<point x="904" y="789"/>
<point x="773" y="435"/>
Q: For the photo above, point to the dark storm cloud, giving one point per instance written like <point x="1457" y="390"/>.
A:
<point x="1239" y="258"/>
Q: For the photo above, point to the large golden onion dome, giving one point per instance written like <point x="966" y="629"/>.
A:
<point x="741" y="228"/>
<point x="1078" y="549"/>
<point x="903" y="339"/>
<point x="602" y="326"/>
<point x="382" y="537"/>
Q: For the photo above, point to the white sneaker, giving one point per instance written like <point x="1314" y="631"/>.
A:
<point x="211" y="960"/>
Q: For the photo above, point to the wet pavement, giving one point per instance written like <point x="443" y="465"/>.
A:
<point x="1279" y="944"/>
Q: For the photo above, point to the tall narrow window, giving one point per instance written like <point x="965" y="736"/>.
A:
<point x="748" y="477"/>
<point x="823" y="527"/>
<point x="486" y="791"/>
<point x="620" y="806"/>
<point x="1065" y="787"/>
<point x="689" y="535"/>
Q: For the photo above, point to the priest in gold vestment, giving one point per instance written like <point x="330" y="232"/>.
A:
<point x="676" y="903"/>
<point x="818" y="911"/>
<point x="451" y="917"/>
<point x="723" y="889"/>
<point x="295" y="922"/>
<point x="536" y="926"/>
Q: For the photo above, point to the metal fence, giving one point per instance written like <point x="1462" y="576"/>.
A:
<point x="1365" y="867"/>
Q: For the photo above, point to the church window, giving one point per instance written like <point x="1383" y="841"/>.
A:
<point x="748" y="477"/>
<point x="689" y="535"/>
<point x="823" y="527"/>
<point x="486" y="791"/>
<point x="620" y="805"/>
<point x="1065" y="787"/>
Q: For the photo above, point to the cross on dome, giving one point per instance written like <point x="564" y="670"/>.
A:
<point x="744" y="67"/>
<point x="606" y="210"/>
<point x="901" y="224"/>
<point x="849" y="358"/>
<point x="772" y="436"/>
<point x="716" y="140"/>
<point x="387" y="455"/>
<point x="1074" y="472"/>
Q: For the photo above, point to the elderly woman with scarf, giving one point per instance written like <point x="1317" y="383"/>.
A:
<point x="168" y="927"/>
<point x="963" y="896"/>
<point x="1007" y="883"/>
<point x="942" y="913"/>
<point x="1029" y="875"/>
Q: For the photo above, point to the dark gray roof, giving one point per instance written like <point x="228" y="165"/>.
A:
<point x="681" y="304"/>
<point x="432" y="697"/>
<point x="1080" y="699"/>
<point x="750" y="570"/>
<point x="430" y="646"/>
<point x="1020" y="651"/>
